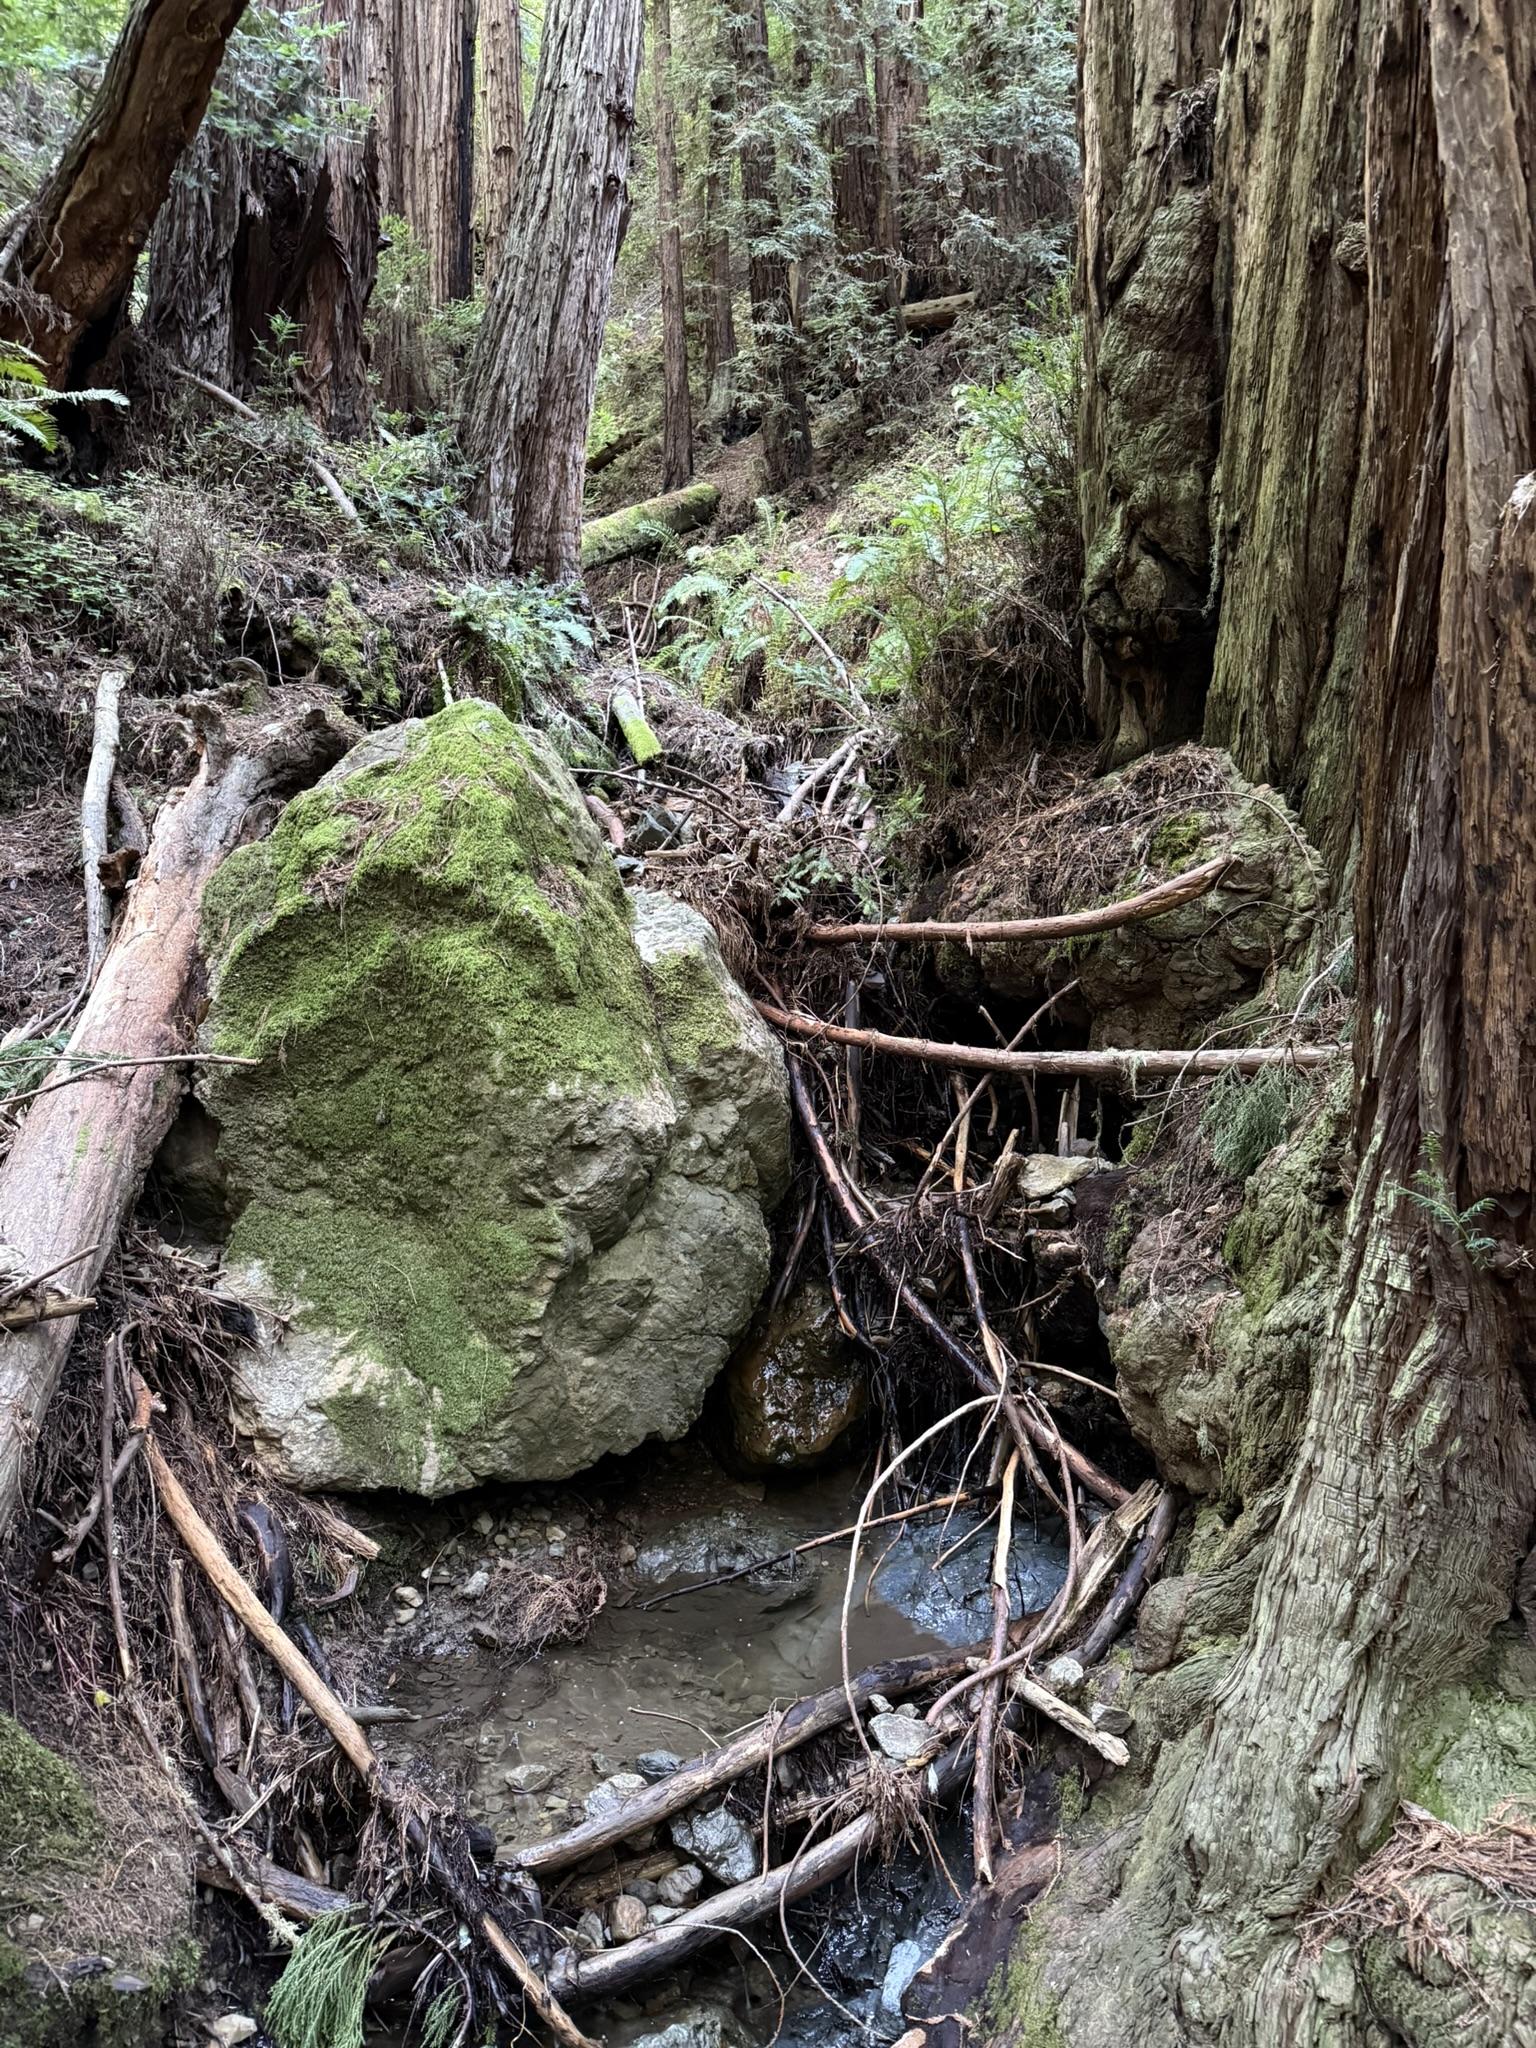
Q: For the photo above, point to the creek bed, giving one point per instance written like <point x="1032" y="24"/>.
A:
<point x="692" y="1671"/>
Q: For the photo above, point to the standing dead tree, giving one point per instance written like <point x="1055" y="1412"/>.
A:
<point x="528" y="400"/>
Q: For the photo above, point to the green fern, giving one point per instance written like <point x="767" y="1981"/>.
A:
<point x="25" y="399"/>
<point x="1431" y="1192"/>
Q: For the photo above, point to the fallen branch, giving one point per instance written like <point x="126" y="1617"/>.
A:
<point x="1145" y="1560"/>
<point x="1110" y="1747"/>
<point x="934" y="316"/>
<point x="1120" y="1070"/>
<point x="1072" y="924"/>
<point x="984" y="1795"/>
<point x="52" y="1308"/>
<point x="775" y="1735"/>
<point x="820" y="769"/>
<point x="82" y="1150"/>
<point x="545" y="2005"/>
<point x="93" y="817"/>
<point x="1104" y="1548"/>
<point x="297" y="1896"/>
<point x="323" y="475"/>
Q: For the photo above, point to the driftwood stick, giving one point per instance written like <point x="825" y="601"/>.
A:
<point x="807" y="1717"/>
<point x="209" y="1555"/>
<point x="111" y="1370"/>
<point x="78" y="1532"/>
<point x="18" y="1288"/>
<point x="828" y="765"/>
<point x="546" y="2006"/>
<point x="1120" y="1070"/>
<point x="1021" y="1422"/>
<point x="271" y="1884"/>
<point x="53" y="1308"/>
<point x="1071" y="924"/>
<point x="1145" y="1560"/>
<point x="1104" y="1549"/>
<point x="93" y="817"/>
<point x="615" y="1969"/>
<point x="1110" y="1747"/>
<point x="984" y="1796"/>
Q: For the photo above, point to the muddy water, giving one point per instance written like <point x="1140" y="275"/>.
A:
<point x="690" y="1671"/>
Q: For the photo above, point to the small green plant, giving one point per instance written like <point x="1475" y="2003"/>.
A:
<point x="1432" y="1192"/>
<point x="318" y="2001"/>
<point x="1246" y="1117"/>
<point x="26" y="401"/>
<point x="514" y="636"/>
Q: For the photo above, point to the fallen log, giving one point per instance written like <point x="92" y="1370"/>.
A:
<point x="772" y="1737"/>
<point x="93" y="818"/>
<point x="82" y="1151"/>
<point x="621" y="444"/>
<point x="1071" y="924"/>
<point x="630" y="531"/>
<point x="935" y="316"/>
<point x="285" y="1889"/>
<point x="1116" y="1069"/>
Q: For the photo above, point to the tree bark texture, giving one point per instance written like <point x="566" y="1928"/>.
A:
<point x="676" y="411"/>
<point x="720" y="317"/>
<point x="850" y="134"/>
<point x="95" y="214"/>
<point x="429" y="168"/>
<point x="1400" y="1532"/>
<point x="786" y="422"/>
<point x="499" y="123"/>
<point x="528" y="400"/>
<point x="1223" y="281"/>
<point x="83" y="1149"/>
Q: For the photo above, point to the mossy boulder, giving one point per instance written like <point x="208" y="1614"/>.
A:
<point x="498" y="1187"/>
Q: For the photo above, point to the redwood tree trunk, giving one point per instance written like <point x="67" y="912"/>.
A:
<point x="430" y="125"/>
<point x="1397" y="1543"/>
<point x="94" y="215"/>
<point x="720" y="317"/>
<point x="850" y="136"/>
<point x="786" y="422"/>
<point x="499" y="127"/>
<point x="528" y="400"/>
<point x="677" y="415"/>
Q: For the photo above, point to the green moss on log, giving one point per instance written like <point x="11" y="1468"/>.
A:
<point x="641" y="526"/>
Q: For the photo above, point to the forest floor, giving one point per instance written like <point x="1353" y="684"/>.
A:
<point x="226" y="584"/>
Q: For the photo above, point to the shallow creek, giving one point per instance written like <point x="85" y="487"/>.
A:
<point x="689" y="1672"/>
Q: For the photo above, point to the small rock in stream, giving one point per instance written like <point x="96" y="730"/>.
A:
<point x="407" y="1596"/>
<point x="476" y="1586"/>
<point x="1110" y="1720"/>
<point x="590" y="1935"/>
<point x="233" y="2028"/>
<point x="1064" y="1675"/>
<point x="657" y="1764"/>
<point x="695" y="2025"/>
<point x="905" y="1741"/>
<point x="906" y="1961"/>
<point x="529" y="1777"/>
<point x="626" y="1918"/>
<point x="611" y="1794"/>
<point x="720" y="1842"/>
<point x="680" y="1887"/>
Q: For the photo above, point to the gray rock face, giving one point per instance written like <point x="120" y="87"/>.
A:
<point x="499" y="1184"/>
<point x="719" y="1842"/>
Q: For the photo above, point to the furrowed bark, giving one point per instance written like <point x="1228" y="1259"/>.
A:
<point x="499" y="123"/>
<point x="528" y="400"/>
<point x="94" y="215"/>
<point x="82" y="1151"/>
<point x="676" y="411"/>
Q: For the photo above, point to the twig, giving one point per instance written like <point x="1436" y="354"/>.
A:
<point x="105" y="1063"/>
<point x="248" y="412"/>
<point x="1110" y="1747"/>
<point x="1120" y="1070"/>
<point x="838" y="664"/>
<point x="1144" y="1562"/>
<point x="87" y="1522"/>
<point x="1106" y="917"/>
<point x="93" y="817"/>
<point x="538" y="1994"/>
<point x="19" y="1287"/>
<point x="111" y="1362"/>
<point x="828" y="764"/>
<point x="935" y="1165"/>
<point x="984" y="1794"/>
<point x="1020" y="1422"/>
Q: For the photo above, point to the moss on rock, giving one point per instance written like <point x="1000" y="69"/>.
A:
<point x="473" y="1085"/>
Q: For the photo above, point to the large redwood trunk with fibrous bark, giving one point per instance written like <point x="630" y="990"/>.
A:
<point x="786" y="427"/>
<point x="676" y="407"/>
<point x="498" y="123"/>
<point x="429" y="166"/>
<point x="94" y="216"/>
<point x="1398" y="1539"/>
<point x="528" y="399"/>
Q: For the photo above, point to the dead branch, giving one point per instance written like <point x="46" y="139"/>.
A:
<point x="1144" y="1562"/>
<point x="81" y="1153"/>
<point x="545" y="2005"/>
<point x="1122" y="1071"/>
<point x="1110" y="1747"/>
<point x="808" y="1717"/>
<point x="1104" y="1548"/>
<point x="93" y="817"/>
<point x="325" y="477"/>
<point x="829" y="764"/>
<point x="984" y="1796"/>
<point x="53" y="1559"/>
<point x="1072" y="924"/>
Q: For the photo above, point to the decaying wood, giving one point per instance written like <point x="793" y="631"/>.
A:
<point x="934" y="316"/>
<point x="629" y="531"/>
<point x="285" y="1889"/>
<point x="984" y="1798"/>
<point x="327" y="478"/>
<point x="614" y="1969"/>
<point x="83" y="1149"/>
<point x="1121" y="1604"/>
<point x="807" y="1717"/>
<point x="1044" y="1701"/>
<point x="829" y="764"/>
<point x="93" y="817"/>
<point x="1119" y="1070"/>
<point x="1071" y="924"/>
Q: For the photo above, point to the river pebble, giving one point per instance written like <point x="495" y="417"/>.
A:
<point x="720" y="1842"/>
